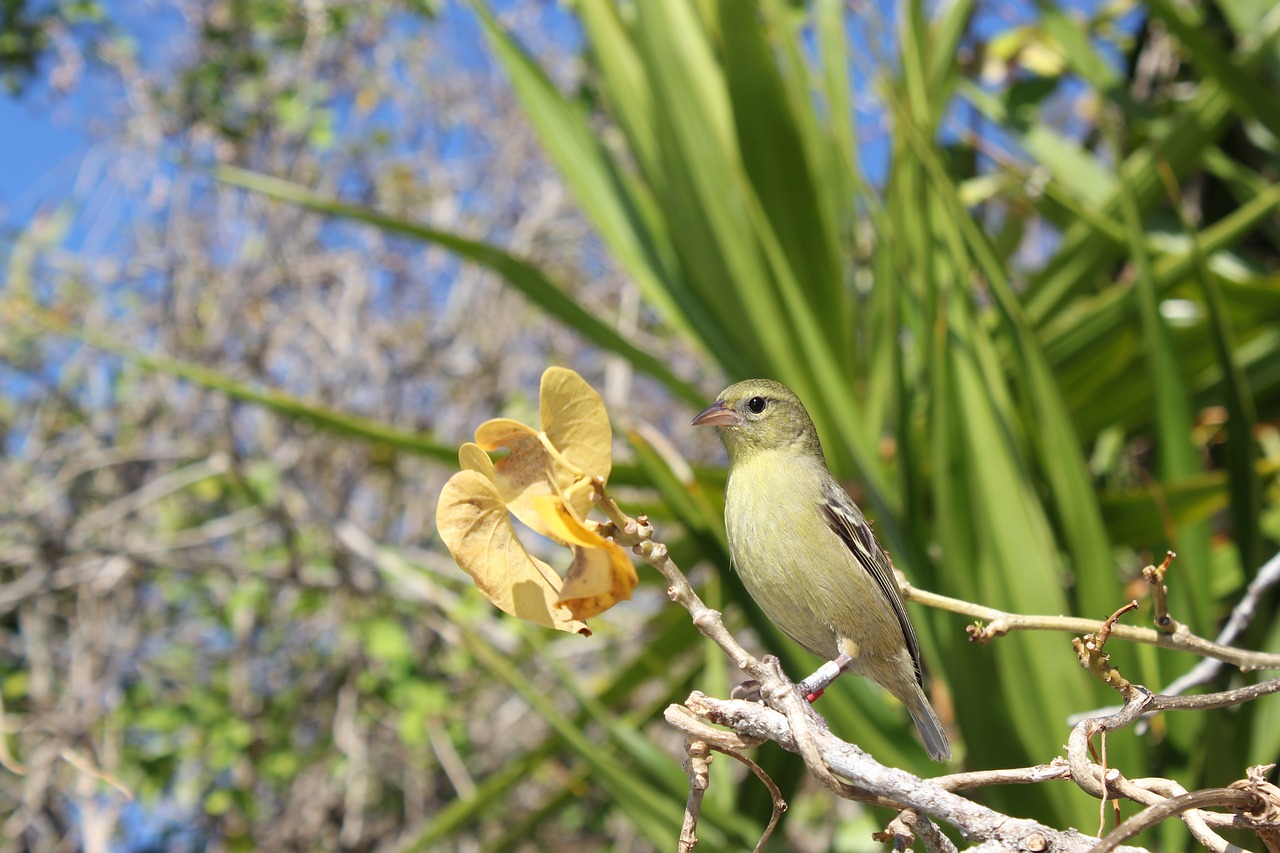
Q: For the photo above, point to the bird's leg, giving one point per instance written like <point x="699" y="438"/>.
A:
<point x="813" y="686"/>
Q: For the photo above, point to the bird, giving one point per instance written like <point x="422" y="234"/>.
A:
<point x="805" y="552"/>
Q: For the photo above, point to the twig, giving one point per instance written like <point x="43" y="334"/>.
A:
<point x="698" y="768"/>
<point x="1101" y="783"/>
<point x="1207" y="668"/>
<point x="909" y="825"/>
<point x="1000" y="623"/>
<point x="175" y="481"/>
<point x="1265" y="822"/>
<point x="1089" y="650"/>
<point x="1151" y="815"/>
<point x="1154" y="576"/>
<point x="1200" y="823"/>
<point x="1102" y="762"/>
<point x="1104" y="633"/>
<point x="86" y="767"/>
<point x="775" y="793"/>
<point x="935" y="842"/>
<point x="699" y="739"/>
<point x="1056" y="769"/>
<point x="901" y="831"/>
<point x="1241" y="615"/>
<point x="1140" y="703"/>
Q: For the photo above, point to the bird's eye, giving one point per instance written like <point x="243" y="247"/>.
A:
<point x="756" y="405"/>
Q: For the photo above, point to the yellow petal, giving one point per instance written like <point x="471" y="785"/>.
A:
<point x="577" y="425"/>
<point x="473" y="522"/>
<point x="599" y="578"/>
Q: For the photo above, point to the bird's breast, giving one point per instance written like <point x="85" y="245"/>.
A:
<point x="782" y="552"/>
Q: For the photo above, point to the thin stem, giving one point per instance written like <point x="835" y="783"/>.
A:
<point x="1000" y="623"/>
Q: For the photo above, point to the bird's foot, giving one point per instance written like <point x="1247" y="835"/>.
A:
<point x="748" y="691"/>
<point x="778" y="703"/>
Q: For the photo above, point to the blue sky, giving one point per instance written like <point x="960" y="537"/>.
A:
<point x="43" y="137"/>
<point x="41" y="143"/>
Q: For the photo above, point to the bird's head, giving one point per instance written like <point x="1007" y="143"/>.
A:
<point x="760" y="414"/>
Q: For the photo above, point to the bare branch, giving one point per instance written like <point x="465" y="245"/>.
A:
<point x="1054" y="770"/>
<point x="1154" y="576"/>
<point x="1000" y="623"/>
<point x="894" y="787"/>
<point x="698" y="768"/>
<point x="1241" y="615"/>
<point x="1151" y="815"/>
<point x="87" y="767"/>
<point x="935" y="842"/>
<point x="779" y="804"/>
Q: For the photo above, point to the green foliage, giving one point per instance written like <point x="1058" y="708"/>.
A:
<point x="21" y="44"/>
<point x="25" y="35"/>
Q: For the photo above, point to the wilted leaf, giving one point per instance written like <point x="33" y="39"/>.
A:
<point x="598" y="579"/>
<point x="472" y="458"/>
<point x="474" y="524"/>
<point x="575" y="420"/>
<point x="546" y="480"/>
<point x="525" y="473"/>
<point x="601" y="574"/>
<point x="574" y="423"/>
<point x="564" y="525"/>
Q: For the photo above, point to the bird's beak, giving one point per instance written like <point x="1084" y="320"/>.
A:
<point x="717" y="414"/>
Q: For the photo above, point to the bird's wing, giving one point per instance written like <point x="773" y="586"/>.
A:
<point x="844" y="517"/>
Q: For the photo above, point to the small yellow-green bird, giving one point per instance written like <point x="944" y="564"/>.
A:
<point x="805" y="552"/>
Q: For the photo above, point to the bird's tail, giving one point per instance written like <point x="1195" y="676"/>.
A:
<point x="935" y="739"/>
